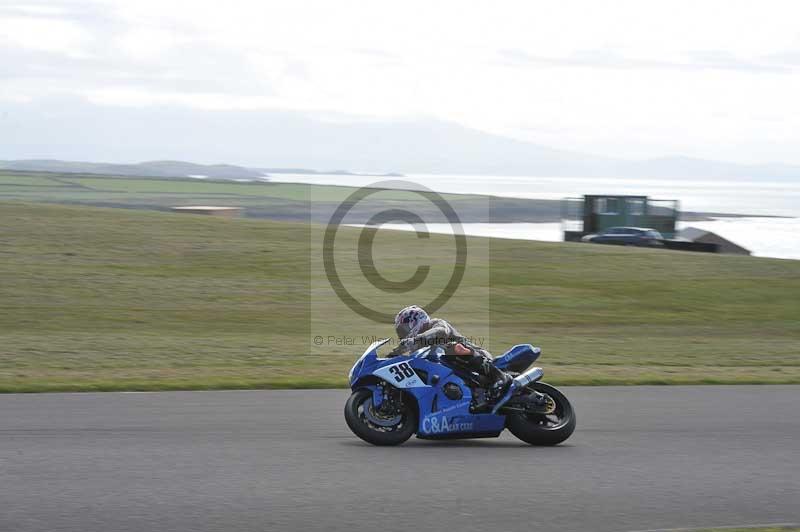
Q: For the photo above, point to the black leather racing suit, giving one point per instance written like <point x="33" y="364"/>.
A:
<point x="440" y="332"/>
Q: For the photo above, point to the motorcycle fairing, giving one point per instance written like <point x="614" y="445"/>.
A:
<point x="439" y="415"/>
<point x="400" y="374"/>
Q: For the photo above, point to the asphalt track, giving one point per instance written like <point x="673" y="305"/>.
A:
<point x="642" y="458"/>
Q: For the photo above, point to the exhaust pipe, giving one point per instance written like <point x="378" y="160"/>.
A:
<point x="532" y="375"/>
<point x="520" y="381"/>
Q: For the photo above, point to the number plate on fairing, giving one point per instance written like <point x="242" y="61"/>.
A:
<point x="401" y="375"/>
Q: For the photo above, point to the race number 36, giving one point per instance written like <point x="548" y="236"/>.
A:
<point x="401" y="371"/>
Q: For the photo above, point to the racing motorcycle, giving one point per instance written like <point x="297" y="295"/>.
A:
<point x="424" y="393"/>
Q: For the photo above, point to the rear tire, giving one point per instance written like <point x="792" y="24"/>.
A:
<point x="540" y="429"/>
<point x="376" y="435"/>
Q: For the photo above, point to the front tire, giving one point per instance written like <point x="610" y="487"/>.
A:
<point x="356" y="414"/>
<point x="544" y="429"/>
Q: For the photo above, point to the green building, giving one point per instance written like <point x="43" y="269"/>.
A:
<point x="594" y="213"/>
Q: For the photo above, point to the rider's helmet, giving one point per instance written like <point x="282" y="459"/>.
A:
<point x="410" y="321"/>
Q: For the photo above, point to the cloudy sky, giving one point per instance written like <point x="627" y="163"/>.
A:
<point x="631" y="79"/>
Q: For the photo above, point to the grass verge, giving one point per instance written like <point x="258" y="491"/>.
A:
<point x="108" y="299"/>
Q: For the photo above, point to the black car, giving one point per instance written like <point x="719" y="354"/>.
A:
<point x="627" y="236"/>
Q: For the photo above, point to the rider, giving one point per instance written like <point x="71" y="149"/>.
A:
<point x="416" y="329"/>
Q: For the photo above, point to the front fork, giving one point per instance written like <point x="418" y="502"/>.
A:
<point x="385" y="396"/>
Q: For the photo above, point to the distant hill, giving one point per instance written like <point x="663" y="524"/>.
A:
<point x="149" y="168"/>
<point x="166" y="169"/>
<point x="290" y="141"/>
<point x="324" y="172"/>
<point x="691" y="168"/>
<point x="676" y="168"/>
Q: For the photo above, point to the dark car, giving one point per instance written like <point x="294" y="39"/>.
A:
<point x="627" y="236"/>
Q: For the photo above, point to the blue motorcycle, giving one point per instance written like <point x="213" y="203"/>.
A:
<point x="427" y="393"/>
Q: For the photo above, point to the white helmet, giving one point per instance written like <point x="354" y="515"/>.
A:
<point x="410" y="321"/>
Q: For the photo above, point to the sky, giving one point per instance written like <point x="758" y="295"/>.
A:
<point x="629" y="79"/>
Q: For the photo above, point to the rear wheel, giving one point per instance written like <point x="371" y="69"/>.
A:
<point x="549" y="428"/>
<point x="375" y="426"/>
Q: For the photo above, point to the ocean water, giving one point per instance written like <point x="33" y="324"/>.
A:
<point x="738" y="197"/>
<point x="765" y="237"/>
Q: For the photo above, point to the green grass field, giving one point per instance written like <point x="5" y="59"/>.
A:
<point x="267" y="200"/>
<point x="89" y="188"/>
<point x="271" y="200"/>
<point x="113" y="299"/>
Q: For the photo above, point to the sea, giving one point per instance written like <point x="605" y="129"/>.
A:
<point x="773" y="232"/>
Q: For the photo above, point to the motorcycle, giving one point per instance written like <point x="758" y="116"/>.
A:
<point x="426" y="394"/>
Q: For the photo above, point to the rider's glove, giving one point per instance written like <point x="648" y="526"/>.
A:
<point x="406" y="344"/>
<point x="402" y="346"/>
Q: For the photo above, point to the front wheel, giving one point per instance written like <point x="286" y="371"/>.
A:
<point x="544" y="429"/>
<point x="374" y="426"/>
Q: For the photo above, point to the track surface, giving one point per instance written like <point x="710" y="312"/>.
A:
<point x="641" y="458"/>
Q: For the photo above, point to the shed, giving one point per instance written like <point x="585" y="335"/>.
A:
<point x="695" y="234"/>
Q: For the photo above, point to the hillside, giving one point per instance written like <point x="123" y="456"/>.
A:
<point x="149" y="168"/>
<point x="101" y="299"/>
<point x="293" y="139"/>
<point x="260" y="199"/>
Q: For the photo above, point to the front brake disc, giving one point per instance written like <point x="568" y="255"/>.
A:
<point x="379" y="419"/>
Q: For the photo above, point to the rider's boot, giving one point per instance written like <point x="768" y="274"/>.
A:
<point x="481" y="364"/>
<point x="501" y="379"/>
